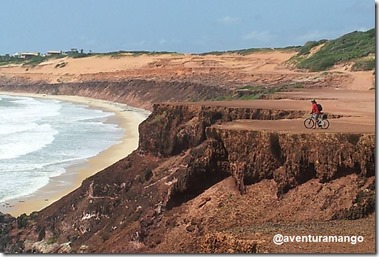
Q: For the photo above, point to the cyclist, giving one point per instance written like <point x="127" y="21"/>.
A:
<point x="315" y="112"/>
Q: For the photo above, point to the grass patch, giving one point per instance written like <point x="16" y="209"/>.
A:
<point x="35" y="60"/>
<point x="349" y="47"/>
<point x="364" y="64"/>
<point x="52" y="240"/>
<point x="135" y="53"/>
<point x="223" y="98"/>
<point x="7" y="59"/>
<point x="253" y="92"/>
<point x="306" y="49"/>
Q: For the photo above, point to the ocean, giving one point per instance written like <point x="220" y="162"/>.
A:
<point x="40" y="138"/>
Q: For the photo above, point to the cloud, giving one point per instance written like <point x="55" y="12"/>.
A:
<point x="260" y="36"/>
<point x="227" y="20"/>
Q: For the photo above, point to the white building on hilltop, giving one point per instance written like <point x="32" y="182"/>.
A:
<point x="49" y="53"/>
<point x="27" y="55"/>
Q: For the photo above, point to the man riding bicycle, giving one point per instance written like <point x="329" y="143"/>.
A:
<point x="315" y="111"/>
<point x="317" y="117"/>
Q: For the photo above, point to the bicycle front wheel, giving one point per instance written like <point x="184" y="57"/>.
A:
<point x="309" y="123"/>
<point x="325" y="124"/>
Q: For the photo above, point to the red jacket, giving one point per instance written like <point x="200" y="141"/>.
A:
<point x="314" y="108"/>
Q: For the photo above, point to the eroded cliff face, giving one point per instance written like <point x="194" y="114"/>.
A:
<point x="149" y="201"/>
<point x="292" y="159"/>
<point x="173" y="128"/>
<point x="139" y="93"/>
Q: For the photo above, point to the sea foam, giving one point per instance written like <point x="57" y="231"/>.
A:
<point x="40" y="138"/>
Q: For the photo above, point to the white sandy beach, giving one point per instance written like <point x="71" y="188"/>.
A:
<point x="61" y="185"/>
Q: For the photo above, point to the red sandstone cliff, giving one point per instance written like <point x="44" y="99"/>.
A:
<point x="197" y="185"/>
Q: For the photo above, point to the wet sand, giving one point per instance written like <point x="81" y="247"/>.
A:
<point x="125" y="117"/>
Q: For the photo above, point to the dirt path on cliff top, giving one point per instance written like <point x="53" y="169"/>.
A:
<point x="357" y="109"/>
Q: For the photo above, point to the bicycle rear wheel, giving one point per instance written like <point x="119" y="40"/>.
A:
<point x="325" y="124"/>
<point x="309" y="123"/>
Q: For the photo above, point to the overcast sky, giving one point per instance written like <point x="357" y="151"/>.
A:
<point x="186" y="26"/>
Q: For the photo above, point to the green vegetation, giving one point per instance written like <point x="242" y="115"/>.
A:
<point x="52" y="240"/>
<point x="22" y="221"/>
<point x="364" y="64"/>
<point x="350" y="47"/>
<point x="159" y="117"/>
<point x="134" y="53"/>
<point x="251" y="92"/>
<point x="7" y="59"/>
<point x="258" y="92"/>
<point x="306" y="49"/>
<point x="35" y="60"/>
<point x="80" y="55"/>
<point x="224" y="98"/>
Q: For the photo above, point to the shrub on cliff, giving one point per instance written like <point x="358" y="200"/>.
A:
<point x="306" y="49"/>
<point x="364" y="64"/>
<point x="349" y="47"/>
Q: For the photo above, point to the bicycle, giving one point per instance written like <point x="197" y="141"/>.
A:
<point x="323" y="122"/>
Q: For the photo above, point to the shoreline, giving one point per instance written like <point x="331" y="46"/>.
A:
<point x="126" y="117"/>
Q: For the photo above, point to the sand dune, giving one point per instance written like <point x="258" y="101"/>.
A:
<point x="260" y="67"/>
